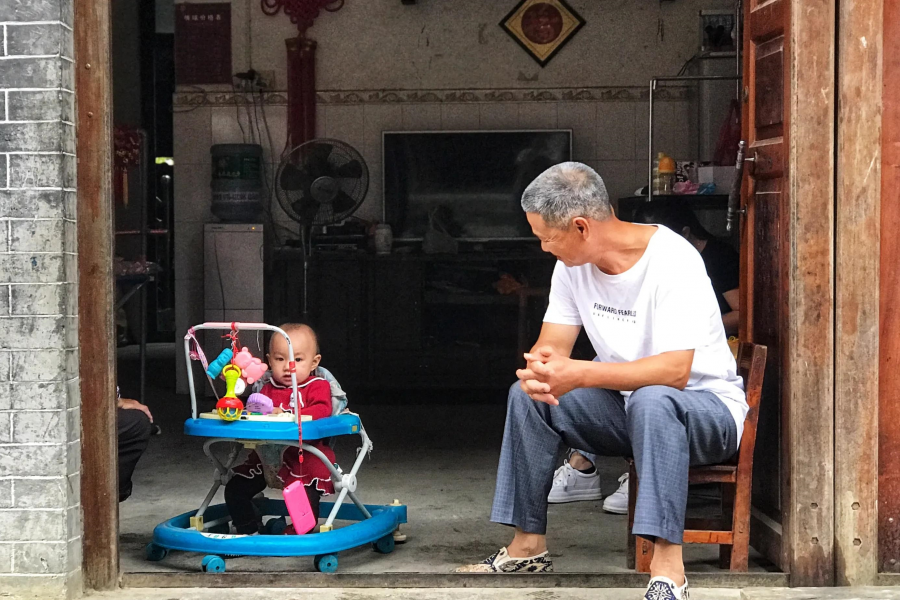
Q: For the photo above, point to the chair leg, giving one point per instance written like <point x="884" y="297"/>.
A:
<point x="740" y="551"/>
<point x="644" y="555"/>
<point x="630" y="544"/>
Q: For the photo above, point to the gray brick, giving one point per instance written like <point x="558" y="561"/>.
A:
<point x="5" y="365"/>
<point x="70" y="236"/>
<point x="31" y="10"/>
<point x="29" y="525"/>
<point x="71" y="332"/>
<point x="34" y="268"/>
<point x="39" y="299"/>
<point x="73" y="491"/>
<point x="4" y="300"/>
<point x="32" y="461"/>
<point x="40" y="493"/>
<point x="41" y="395"/>
<point x="5" y="429"/>
<point x="37" y="236"/>
<point x="38" y="427"/>
<point x="73" y="551"/>
<point x="48" y="105"/>
<point x="70" y="300"/>
<point x="6" y="553"/>
<point x="4" y="236"/>
<point x="70" y="205"/>
<point x="36" y="73"/>
<point x="33" y="332"/>
<point x="73" y="458"/>
<point x="2" y="107"/>
<point x="73" y="522"/>
<point x="54" y="136"/>
<point x="39" y="365"/>
<point x="4" y="171"/>
<point x="73" y="424"/>
<point x="31" y="40"/>
<point x="41" y="171"/>
<point x="5" y="397"/>
<point x="40" y="558"/>
<point x="72" y="366"/>
<point x="70" y="268"/>
<point x="6" y="493"/>
<point x="73" y="393"/>
<point x="33" y="204"/>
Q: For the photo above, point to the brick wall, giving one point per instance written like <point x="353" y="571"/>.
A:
<point x="40" y="513"/>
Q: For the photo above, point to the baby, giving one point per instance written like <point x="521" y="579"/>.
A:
<point x="315" y="400"/>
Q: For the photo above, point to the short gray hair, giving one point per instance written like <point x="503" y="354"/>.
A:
<point x="566" y="191"/>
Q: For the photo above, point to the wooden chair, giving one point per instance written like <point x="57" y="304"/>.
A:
<point x="731" y="531"/>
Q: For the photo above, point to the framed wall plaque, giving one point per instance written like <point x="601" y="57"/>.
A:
<point x="542" y="27"/>
<point x="203" y="43"/>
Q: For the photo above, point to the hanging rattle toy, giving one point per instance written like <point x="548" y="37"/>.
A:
<point x="230" y="406"/>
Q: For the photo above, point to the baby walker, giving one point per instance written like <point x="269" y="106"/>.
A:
<point x="206" y="530"/>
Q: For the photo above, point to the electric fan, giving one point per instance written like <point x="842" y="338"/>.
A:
<point x="320" y="182"/>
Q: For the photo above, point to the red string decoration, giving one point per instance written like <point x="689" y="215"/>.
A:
<point x="126" y="154"/>
<point x="302" y="13"/>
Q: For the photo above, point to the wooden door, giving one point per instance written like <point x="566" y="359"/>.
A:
<point x="889" y="374"/>
<point x="787" y="277"/>
<point x="763" y="243"/>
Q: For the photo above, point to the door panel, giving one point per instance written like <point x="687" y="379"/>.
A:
<point x="764" y="270"/>
<point x="767" y="279"/>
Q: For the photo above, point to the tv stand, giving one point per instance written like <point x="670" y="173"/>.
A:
<point x="410" y="320"/>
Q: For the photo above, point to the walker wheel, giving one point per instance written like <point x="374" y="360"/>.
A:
<point x="212" y="564"/>
<point x="276" y="526"/>
<point x="155" y="552"/>
<point x="384" y="545"/>
<point x="326" y="563"/>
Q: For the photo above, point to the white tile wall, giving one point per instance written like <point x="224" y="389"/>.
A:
<point x="581" y="118"/>
<point x="346" y="123"/>
<point x="538" y="115"/>
<point x="460" y="116"/>
<point x="615" y="130"/>
<point x="499" y="115"/>
<point x="421" y="117"/>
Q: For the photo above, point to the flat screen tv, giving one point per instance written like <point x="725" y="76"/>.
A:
<point x="471" y="182"/>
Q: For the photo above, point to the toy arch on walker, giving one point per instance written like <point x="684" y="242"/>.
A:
<point x="206" y="529"/>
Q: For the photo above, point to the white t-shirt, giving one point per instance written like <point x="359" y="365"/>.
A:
<point x="664" y="303"/>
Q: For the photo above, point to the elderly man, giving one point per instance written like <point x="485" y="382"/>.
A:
<point x="662" y="389"/>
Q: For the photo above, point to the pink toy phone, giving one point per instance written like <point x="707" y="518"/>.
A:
<point x="298" y="507"/>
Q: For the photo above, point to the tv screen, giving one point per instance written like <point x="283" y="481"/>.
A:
<point x="468" y="182"/>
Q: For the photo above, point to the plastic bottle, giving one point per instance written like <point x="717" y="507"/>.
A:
<point x="666" y="175"/>
<point x="656" y="182"/>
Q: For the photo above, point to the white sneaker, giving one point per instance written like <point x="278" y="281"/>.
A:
<point x="663" y="588"/>
<point x="571" y="485"/>
<point x="617" y="503"/>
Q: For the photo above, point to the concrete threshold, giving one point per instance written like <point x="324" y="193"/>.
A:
<point x="251" y="580"/>
<point x="481" y="593"/>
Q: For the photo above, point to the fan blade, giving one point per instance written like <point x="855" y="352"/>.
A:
<point x="315" y="159"/>
<point x="343" y="202"/>
<point x="294" y="179"/>
<point x="306" y="209"/>
<point x="325" y="215"/>
<point x="350" y="170"/>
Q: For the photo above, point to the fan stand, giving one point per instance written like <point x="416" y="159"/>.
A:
<point x="306" y="244"/>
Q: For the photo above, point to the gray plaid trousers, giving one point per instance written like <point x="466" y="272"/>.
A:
<point x="664" y="429"/>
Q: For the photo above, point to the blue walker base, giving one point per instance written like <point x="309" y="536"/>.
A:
<point x="177" y="534"/>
